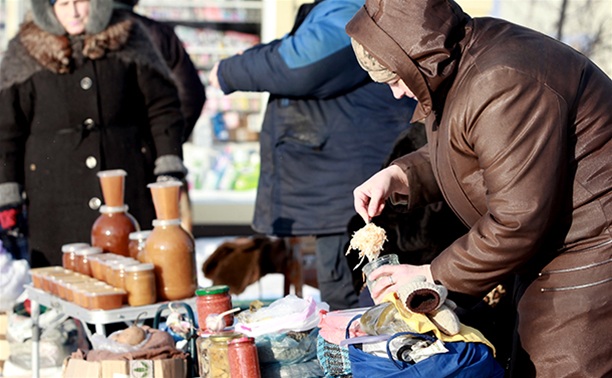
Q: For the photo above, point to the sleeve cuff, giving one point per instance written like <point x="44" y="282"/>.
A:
<point x="10" y="194"/>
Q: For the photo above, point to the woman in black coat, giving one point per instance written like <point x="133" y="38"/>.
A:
<point x="78" y="101"/>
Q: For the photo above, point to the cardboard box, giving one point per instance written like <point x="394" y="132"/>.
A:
<point x="169" y="368"/>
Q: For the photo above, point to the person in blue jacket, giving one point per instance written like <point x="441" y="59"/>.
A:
<point x="327" y="127"/>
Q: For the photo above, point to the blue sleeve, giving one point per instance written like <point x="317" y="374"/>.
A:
<point x="317" y="61"/>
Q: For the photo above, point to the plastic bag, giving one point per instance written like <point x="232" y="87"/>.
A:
<point x="13" y="275"/>
<point x="101" y="342"/>
<point x="290" y="313"/>
<point x="383" y="319"/>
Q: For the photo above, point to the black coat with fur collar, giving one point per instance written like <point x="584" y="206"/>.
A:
<point x="71" y="107"/>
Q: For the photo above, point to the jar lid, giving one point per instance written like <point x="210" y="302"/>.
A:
<point x="139" y="267"/>
<point x="71" y="247"/>
<point x="112" y="172"/>
<point x="123" y="263"/>
<point x="139" y="235"/>
<point x="244" y="339"/>
<point x="224" y="336"/>
<point x="104" y="209"/>
<point x="216" y="289"/>
<point x="88" y="251"/>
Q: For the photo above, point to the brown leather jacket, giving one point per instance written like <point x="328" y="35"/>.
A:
<point x="519" y="128"/>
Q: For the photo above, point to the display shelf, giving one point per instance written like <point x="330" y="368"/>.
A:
<point x="222" y="156"/>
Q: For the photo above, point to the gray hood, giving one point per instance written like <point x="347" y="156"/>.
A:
<point x="99" y="16"/>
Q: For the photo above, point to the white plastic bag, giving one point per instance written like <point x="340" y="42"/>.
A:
<point x="290" y="313"/>
<point x="13" y="275"/>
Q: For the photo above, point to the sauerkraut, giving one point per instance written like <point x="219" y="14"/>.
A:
<point x="369" y="241"/>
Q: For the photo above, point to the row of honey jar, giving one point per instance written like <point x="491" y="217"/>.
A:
<point x="78" y="288"/>
<point x="136" y="278"/>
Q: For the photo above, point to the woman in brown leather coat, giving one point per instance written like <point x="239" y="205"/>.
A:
<point x="519" y="128"/>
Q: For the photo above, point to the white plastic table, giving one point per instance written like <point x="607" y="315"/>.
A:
<point x="99" y="318"/>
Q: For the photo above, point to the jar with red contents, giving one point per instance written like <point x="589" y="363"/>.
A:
<point x="243" y="359"/>
<point x="213" y="300"/>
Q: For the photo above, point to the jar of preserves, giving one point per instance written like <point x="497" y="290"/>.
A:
<point x="137" y="244"/>
<point x="118" y="272"/>
<point x="82" y="259"/>
<point x="140" y="284"/>
<point x="243" y="359"/>
<point x="111" y="230"/>
<point x="213" y="300"/>
<point x="68" y="256"/>
<point x="169" y="247"/>
<point x="218" y="366"/>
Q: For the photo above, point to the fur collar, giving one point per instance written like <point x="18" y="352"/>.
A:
<point x="54" y="52"/>
<point x="34" y="49"/>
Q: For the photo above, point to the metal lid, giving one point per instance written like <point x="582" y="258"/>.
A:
<point x="216" y="289"/>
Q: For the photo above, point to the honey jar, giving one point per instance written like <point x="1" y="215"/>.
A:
<point x="68" y="256"/>
<point x="82" y="259"/>
<point x="140" y="284"/>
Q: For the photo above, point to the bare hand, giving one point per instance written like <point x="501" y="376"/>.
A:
<point x="213" y="78"/>
<point x="370" y="197"/>
<point x="389" y="278"/>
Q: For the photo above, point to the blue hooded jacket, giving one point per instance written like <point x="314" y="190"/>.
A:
<point x="327" y="126"/>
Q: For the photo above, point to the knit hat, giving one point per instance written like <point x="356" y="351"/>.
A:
<point x="377" y="71"/>
<point x="44" y="16"/>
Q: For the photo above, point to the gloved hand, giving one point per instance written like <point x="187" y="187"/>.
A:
<point x="424" y="297"/>
<point x="9" y="216"/>
<point x="169" y="168"/>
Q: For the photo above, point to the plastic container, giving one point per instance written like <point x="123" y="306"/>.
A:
<point x="68" y="256"/>
<point x="105" y="299"/>
<point x="213" y="300"/>
<point x="243" y="359"/>
<point x="390" y="259"/>
<point x="97" y="264"/>
<point x="82" y="257"/>
<point x="136" y="245"/>
<point x="140" y="284"/>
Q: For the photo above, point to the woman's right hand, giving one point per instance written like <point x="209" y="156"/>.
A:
<point x="370" y="197"/>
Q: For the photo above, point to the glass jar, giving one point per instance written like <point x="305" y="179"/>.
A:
<point x="140" y="284"/>
<point x="169" y="247"/>
<point x="217" y="354"/>
<point x="117" y="278"/>
<point x="68" y="256"/>
<point x="137" y="244"/>
<point x="82" y="259"/>
<point x="213" y="300"/>
<point x="111" y="230"/>
<point x="243" y="359"/>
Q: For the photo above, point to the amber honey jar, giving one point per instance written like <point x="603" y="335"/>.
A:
<point x="82" y="257"/>
<point x="112" y="229"/>
<point x="213" y="300"/>
<point x="243" y="359"/>
<point x="68" y="256"/>
<point x="117" y="276"/>
<point x="137" y="243"/>
<point x="169" y="247"/>
<point x="140" y="284"/>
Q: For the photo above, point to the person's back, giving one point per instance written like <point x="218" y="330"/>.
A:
<point x="191" y="90"/>
<point x="327" y="127"/>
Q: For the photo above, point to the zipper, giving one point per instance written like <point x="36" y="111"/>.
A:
<point x="575" y="287"/>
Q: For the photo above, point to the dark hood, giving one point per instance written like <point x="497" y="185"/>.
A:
<point x="99" y="16"/>
<point x="417" y="39"/>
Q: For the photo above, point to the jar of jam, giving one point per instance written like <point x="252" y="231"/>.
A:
<point x="118" y="272"/>
<point x="137" y="244"/>
<point x="169" y="247"/>
<point x="112" y="229"/>
<point x="140" y="284"/>
<point x="218" y="366"/>
<point x="68" y="256"/>
<point x="243" y="359"/>
<point x="213" y="300"/>
<point x="82" y="259"/>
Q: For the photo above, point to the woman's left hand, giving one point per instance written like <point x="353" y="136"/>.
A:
<point x="389" y="278"/>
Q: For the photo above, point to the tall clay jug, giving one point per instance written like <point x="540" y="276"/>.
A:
<point x="169" y="247"/>
<point x="112" y="228"/>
